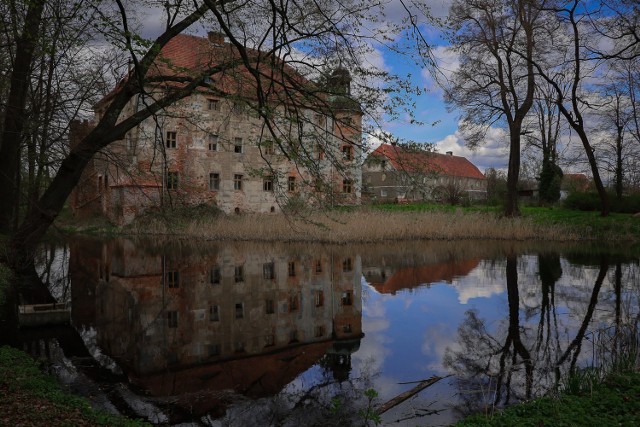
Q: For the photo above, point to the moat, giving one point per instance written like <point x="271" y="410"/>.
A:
<point x="232" y="333"/>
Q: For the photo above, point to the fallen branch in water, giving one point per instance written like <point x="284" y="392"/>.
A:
<point x="407" y="394"/>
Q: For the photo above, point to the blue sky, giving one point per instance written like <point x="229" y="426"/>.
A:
<point x="440" y="125"/>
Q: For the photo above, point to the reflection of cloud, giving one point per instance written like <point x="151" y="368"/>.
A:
<point x="435" y="342"/>
<point x="478" y="285"/>
<point x="374" y="349"/>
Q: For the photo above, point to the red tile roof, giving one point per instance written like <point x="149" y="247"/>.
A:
<point x="187" y="55"/>
<point x="425" y="162"/>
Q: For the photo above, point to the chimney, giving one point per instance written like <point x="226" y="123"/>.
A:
<point x="216" y="38"/>
<point x="449" y="153"/>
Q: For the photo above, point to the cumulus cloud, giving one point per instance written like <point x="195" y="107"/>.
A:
<point x="493" y="153"/>
<point x="448" y="63"/>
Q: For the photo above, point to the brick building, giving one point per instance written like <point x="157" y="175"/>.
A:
<point x="393" y="173"/>
<point x="214" y="148"/>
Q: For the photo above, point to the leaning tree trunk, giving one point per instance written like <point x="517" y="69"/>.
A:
<point x="15" y="117"/>
<point x="605" y="207"/>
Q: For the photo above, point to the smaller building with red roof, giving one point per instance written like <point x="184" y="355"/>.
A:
<point x="396" y="173"/>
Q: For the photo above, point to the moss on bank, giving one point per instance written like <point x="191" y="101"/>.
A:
<point x="614" y="402"/>
<point x="31" y="398"/>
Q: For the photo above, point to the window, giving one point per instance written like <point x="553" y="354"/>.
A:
<point x="383" y="192"/>
<point x="237" y="145"/>
<point x="292" y="269"/>
<point x="239" y="310"/>
<point x="291" y="183"/>
<point x="347" y="186"/>
<point x="267" y="183"/>
<point x="346" y="121"/>
<point x="172" y="180"/>
<point x="237" y="182"/>
<point x="347" y="298"/>
<point x="239" y="273"/>
<point x="347" y="328"/>
<point x="346" y="265"/>
<point x="214" y="181"/>
<point x="320" y="119"/>
<point x="347" y="152"/>
<point x="269" y="306"/>
<point x="237" y="108"/>
<point x="319" y="333"/>
<point x="171" y="139"/>
<point x="293" y="303"/>
<point x="319" y="152"/>
<point x="214" y="350"/>
<point x="269" y="271"/>
<point x="213" y="142"/>
<point x="318" y="266"/>
<point x="213" y="105"/>
<point x="214" y="276"/>
<point x="269" y="340"/>
<point x="269" y="149"/>
<point x="318" y="184"/>
<point x="172" y="278"/>
<point x="172" y="319"/>
<point x="214" y="313"/>
<point x="318" y="298"/>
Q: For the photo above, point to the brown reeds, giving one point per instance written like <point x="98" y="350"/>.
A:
<point x="357" y="226"/>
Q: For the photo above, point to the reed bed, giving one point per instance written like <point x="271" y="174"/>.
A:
<point x="363" y="225"/>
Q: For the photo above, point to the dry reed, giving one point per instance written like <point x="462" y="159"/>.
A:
<point x="359" y="226"/>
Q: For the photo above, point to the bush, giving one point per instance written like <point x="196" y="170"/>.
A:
<point x="584" y="201"/>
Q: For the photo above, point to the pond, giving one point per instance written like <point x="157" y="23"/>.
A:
<point x="289" y="334"/>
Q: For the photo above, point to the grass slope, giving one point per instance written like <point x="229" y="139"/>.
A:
<point x="615" y="402"/>
<point x="31" y="398"/>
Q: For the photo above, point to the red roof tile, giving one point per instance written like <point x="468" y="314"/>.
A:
<point x="425" y="162"/>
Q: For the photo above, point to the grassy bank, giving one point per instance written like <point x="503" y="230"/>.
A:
<point x="614" y="402"/>
<point x="31" y="398"/>
<point x="398" y="222"/>
<point x="379" y="223"/>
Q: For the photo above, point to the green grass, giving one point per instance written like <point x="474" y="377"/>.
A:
<point x="591" y="225"/>
<point x="616" y="226"/>
<point x="30" y="397"/>
<point x="614" y="402"/>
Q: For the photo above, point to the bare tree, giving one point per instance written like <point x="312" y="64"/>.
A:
<point x="278" y="49"/>
<point x="495" y="85"/>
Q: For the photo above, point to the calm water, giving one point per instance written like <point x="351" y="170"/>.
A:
<point x="249" y="334"/>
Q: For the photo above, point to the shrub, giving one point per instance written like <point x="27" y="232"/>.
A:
<point x="589" y="201"/>
<point x="582" y="201"/>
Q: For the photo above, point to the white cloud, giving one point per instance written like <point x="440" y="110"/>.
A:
<point x="448" y="63"/>
<point x="493" y="153"/>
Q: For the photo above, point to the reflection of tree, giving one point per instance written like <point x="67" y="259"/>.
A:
<point x="492" y="364"/>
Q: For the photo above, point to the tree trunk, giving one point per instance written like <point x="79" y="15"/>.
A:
<point x="605" y="207"/>
<point x="511" y="208"/>
<point x="14" y="119"/>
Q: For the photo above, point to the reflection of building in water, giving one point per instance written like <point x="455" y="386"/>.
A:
<point x="389" y="279"/>
<point x="241" y="318"/>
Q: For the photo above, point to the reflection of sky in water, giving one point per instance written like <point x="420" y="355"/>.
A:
<point x="406" y="334"/>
